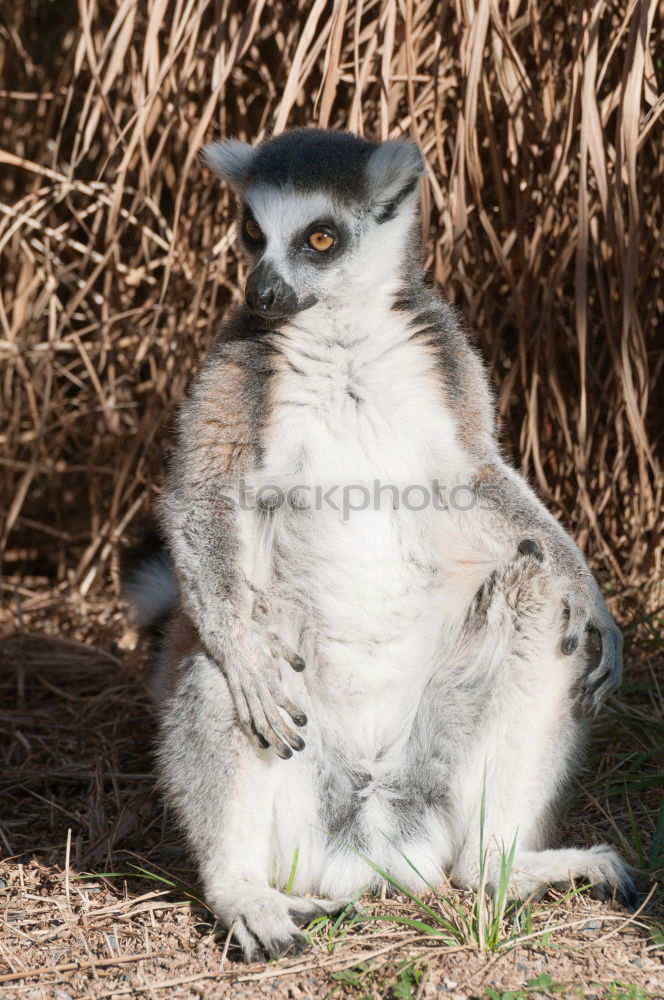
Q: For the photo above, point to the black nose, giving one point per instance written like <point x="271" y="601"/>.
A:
<point x="268" y="293"/>
<point x="264" y="298"/>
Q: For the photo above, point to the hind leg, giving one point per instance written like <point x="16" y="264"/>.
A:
<point x="222" y="788"/>
<point x="526" y="741"/>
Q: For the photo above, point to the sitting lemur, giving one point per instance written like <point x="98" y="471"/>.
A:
<point x="379" y="648"/>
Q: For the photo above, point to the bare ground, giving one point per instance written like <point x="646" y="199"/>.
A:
<point x="77" y="786"/>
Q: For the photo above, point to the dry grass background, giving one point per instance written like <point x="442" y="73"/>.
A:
<point x="541" y="123"/>
<point x="542" y="215"/>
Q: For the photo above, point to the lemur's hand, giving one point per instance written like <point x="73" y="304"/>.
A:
<point x="254" y="675"/>
<point x="586" y="612"/>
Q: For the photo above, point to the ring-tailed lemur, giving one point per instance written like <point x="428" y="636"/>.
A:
<point x="338" y="500"/>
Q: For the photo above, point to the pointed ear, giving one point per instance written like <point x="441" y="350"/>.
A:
<point x="229" y="159"/>
<point x="393" y="171"/>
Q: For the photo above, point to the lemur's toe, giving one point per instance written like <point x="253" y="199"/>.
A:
<point x="265" y="930"/>
<point x="292" y="944"/>
<point x="629" y="896"/>
<point x="305" y="909"/>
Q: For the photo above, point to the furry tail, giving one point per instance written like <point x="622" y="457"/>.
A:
<point x="149" y="584"/>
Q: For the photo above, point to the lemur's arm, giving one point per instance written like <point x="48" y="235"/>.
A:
<point x="212" y="537"/>
<point x="512" y="512"/>
<point x="509" y="515"/>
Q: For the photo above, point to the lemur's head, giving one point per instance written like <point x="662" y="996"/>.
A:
<point x="324" y="216"/>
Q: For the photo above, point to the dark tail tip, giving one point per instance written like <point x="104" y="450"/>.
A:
<point x="148" y="582"/>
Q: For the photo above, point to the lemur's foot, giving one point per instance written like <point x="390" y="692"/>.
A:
<point x="610" y="877"/>
<point x="254" y="676"/>
<point x="268" y="924"/>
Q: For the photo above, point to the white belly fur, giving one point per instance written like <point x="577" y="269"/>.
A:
<point x="368" y="594"/>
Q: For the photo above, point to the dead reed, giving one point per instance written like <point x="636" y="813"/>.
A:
<point x="542" y="212"/>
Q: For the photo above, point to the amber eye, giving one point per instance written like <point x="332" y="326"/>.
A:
<point x="253" y="230"/>
<point x="321" y="240"/>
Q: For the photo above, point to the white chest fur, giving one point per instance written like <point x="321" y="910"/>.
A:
<point x="359" y="437"/>
<point x="358" y="398"/>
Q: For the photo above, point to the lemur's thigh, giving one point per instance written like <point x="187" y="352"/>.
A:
<point x="525" y="735"/>
<point x="222" y="788"/>
<point x="526" y="740"/>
